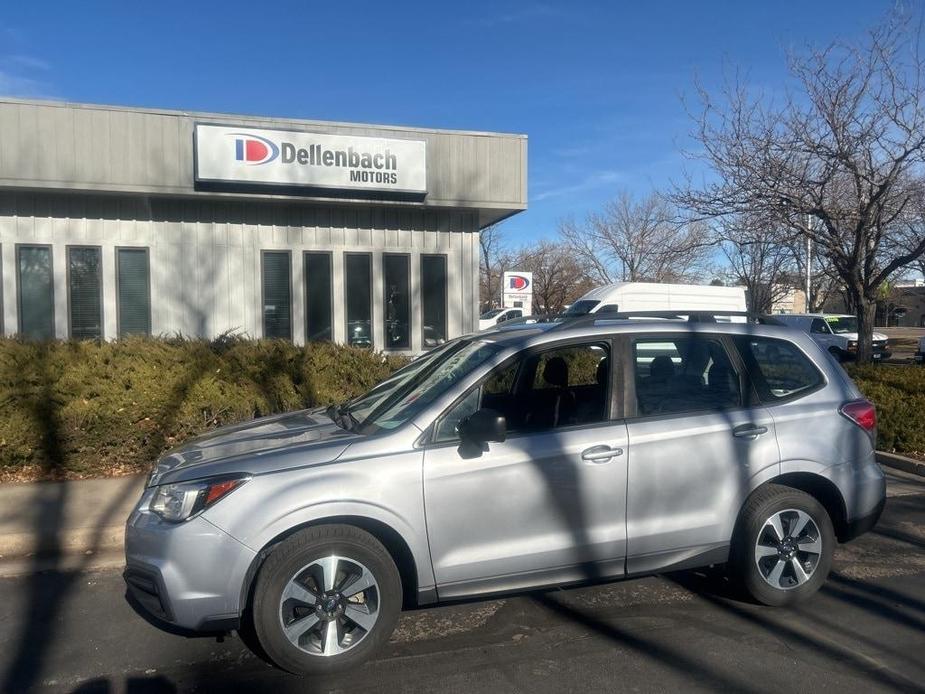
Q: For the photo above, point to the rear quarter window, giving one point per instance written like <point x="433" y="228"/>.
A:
<point x="779" y="369"/>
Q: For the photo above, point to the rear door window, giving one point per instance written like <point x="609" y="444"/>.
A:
<point x="676" y="375"/>
<point x="779" y="369"/>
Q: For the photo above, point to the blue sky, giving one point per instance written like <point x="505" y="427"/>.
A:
<point x="597" y="87"/>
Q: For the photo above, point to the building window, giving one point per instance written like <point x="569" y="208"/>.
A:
<point x="36" y="292"/>
<point x="358" y="278"/>
<point x="396" y="294"/>
<point x="318" y="290"/>
<point x="133" y="291"/>
<point x="277" y="295"/>
<point x="433" y="300"/>
<point x="84" y="293"/>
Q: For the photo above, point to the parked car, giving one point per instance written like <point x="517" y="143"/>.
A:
<point x="517" y="458"/>
<point x="920" y="354"/>
<point x="489" y="319"/>
<point x="837" y="333"/>
<point x="625" y="297"/>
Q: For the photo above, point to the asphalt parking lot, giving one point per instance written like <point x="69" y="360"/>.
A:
<point x="74" y="632"/>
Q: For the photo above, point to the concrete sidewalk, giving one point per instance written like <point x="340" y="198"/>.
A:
<point x="81" y="525"/>
<point x="64" y="525"/>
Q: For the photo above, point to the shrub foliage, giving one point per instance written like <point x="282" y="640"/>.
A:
<point x="899" y="394"/>
<point x="86" y="409"/>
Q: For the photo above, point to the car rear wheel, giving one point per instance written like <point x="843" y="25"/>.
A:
<point x="783" y="547"/>
<point x="326" y="599"/>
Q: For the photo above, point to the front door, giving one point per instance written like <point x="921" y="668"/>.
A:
<point x="548" y="504"/>
<point x="695" y="444"/>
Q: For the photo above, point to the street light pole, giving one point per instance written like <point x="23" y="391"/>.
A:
<point x="809" y="265"/>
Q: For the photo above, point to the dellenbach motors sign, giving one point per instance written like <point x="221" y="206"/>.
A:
<point x="286" y="158"/>
<point x="517" y="291"/>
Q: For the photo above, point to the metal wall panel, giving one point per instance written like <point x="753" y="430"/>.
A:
<point x="205" y="255"/>
<point x="86" y="147"/>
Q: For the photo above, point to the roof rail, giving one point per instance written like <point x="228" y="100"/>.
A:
<point x="700" y="316"/>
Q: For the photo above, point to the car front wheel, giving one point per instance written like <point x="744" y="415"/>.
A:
<point x="783" y="548"/>
<point x="326" y="599"/>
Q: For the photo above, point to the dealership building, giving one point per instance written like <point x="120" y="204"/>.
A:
<point x="118" y="221"/>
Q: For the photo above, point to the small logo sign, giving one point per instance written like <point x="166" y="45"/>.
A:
<point x="253" y="149"/>
<point x="517" y="283"/>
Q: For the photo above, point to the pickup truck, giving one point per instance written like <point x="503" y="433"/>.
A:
<point x="837" y="333"/>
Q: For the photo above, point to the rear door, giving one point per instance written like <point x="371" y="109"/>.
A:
<point x="696" y="439"/>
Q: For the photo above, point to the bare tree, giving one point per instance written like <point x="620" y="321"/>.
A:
<point x="638" y="240"/>
<point x="558" y="278"/>
<point x="757" y="258"/>
<point x="840" y="162"/>
<point x="494" y="257"/>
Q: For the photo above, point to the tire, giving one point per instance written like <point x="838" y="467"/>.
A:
<point x="774" y="577"/>
<point x="292" y="589"/>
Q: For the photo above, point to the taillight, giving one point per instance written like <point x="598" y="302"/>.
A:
<point x="861" y="412"/>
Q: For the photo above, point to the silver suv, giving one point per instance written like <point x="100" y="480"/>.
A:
<point x="528" y="456"/>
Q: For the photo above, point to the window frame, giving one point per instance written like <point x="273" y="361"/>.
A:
<point x="748" y="396"/>
<point x="330" y="257"/>
<point x="147" y="252"/>
<point x="754" y="377"/>
<point x="263" y="300"/>
<point x="446" y="293"/>
<point x="51" y="264"/>
<point x="613" y="399"/>
<point x="407" y="257"/>
<point x="67" y="278"/>
<point x="372" y="328"/>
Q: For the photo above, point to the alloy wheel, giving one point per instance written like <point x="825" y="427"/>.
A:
<point x="788" y="549"/>
<point x="329" y="606"/>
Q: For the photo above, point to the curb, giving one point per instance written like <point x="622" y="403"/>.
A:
<point x="901" y="462"/>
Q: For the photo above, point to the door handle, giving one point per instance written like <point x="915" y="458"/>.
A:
<point x="749" y="431"/>
<point x="600" y="453"/>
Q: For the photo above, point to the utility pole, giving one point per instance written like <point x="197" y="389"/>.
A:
<point x="809" y="264"/>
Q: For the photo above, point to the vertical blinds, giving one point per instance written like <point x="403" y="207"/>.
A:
<point x="318" y="297"/>
<point x="134" y="298"/>
<point x="84" y="293"/>
<point x="36" y="293"/>
<point x="277" y="310"/>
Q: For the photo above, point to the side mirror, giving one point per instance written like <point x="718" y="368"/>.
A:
<point x="483" y="426"/>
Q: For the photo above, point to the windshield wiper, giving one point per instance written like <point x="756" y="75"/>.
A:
<point x="342" y="417"/>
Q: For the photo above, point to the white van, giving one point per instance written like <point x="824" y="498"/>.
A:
<point x="645" y="296"/>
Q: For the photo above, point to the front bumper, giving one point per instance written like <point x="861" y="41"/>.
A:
<point x="188" y="574"/>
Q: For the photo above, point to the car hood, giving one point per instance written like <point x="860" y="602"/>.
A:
<point x="293" y="439"/>
<point x="854" y="336"/>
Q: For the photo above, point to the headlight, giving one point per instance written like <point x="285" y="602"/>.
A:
<point x="177" y="502"/>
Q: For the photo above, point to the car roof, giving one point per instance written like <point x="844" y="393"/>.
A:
<point x="526" y="334"/>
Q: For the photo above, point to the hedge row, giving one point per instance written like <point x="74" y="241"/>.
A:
<point x="85" y="409"/>
<point x="899" y="394"/>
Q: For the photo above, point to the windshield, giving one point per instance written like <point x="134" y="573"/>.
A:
<point x="842" y="324"/>
<point x="491" y="314"/>
<point x="581" y="307"/>
<point x="359" y="408"/>
<point x="416" y="390"/>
